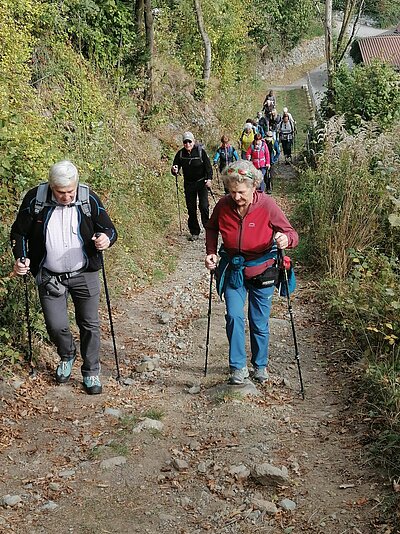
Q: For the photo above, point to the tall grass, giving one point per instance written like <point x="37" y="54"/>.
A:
<point x="349" y="210"/>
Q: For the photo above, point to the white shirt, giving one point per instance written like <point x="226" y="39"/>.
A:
<point x="63" y="244"/>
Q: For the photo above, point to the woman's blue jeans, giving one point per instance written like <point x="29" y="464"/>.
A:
<point x="259" y="309"/>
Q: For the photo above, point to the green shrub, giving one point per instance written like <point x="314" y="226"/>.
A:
<point x="367" y="93"/>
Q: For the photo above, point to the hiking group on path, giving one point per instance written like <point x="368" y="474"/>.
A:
<point x="62" y="228"/>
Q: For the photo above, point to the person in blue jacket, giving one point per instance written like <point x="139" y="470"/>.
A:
<point x="274" y="153"/>
<point x="225" y="154"/>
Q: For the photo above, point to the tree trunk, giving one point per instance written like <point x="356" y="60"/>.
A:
<point x="334" y="57"/>
<point x="206" y="41"/>
<point x="330" y="63"/>
<point x="139" y="9"/>
<point x="149" y="26"/>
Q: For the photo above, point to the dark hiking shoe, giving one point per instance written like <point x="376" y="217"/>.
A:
<point x="238" y="376"/>
<point x="193" y="237"/>
<point x="260" y="374"/>
<point x="92" y="385"/>
<point x="64" y="369"/>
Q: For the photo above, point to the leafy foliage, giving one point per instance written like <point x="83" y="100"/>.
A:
<point x="281" y="24"/>
<point x="367" y="93"/>
<point x="350" y="212"/>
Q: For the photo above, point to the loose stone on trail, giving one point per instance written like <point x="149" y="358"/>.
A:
<point x="10" y="500"/>
<point x="114" y="412"/>
<point x="267" y="474"/>
<point x="287" y="504"/>
<point x="112" y="462"/>
<point x="148" y="424"/>
<point x="265" y="506"/>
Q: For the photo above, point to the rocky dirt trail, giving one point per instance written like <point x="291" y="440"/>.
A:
<point x="173" y="452"/>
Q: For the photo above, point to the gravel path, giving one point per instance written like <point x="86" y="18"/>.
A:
<point x="174" y="452"/>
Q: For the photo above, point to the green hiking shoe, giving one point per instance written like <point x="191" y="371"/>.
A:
<point x="64" y="369"/>
<point x="92" y="385"/>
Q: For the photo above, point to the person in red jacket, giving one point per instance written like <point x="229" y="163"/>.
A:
<point x="259" y="155"/>
<point x="252" y="227"/>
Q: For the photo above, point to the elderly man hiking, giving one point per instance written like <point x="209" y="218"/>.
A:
<point x="197" y="176"/>
<point x="59" y="233"/>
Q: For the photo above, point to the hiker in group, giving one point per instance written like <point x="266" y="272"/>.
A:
<point x="262" y="122"/>
<point x="258" y="128"/>
<point x="58" y="235"/>
<point x="269" y="102"/>
<point x="197" y="176"/>
<point x="258" y="154"/>
<point x="246" y="138"/>
<point x="274" y="153"/>
<point x="251" y="226"/>
<point x="225" y="154"/>
<point x="274" y="121"/>
<point x="285" y="111"/>
<point x="286" y="132"/>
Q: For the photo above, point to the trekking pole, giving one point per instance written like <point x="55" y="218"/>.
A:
<point x="212" y="196"/>
<point x="218" y="175"/>
<point x="103" y="270"/>
<point x="290" y="309"/>
<point x="179" y="206"/>
<point x="29" y="359"/>
<point x="208" y="322"/>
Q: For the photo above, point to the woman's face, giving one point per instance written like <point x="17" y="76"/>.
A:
<point x="241" y="193"/>
<point x="258" y="144"/>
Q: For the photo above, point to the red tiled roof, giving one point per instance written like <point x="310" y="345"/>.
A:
<point x="383" y="47"/>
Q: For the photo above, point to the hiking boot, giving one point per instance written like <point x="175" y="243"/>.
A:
<point x="260" y="374"/>
<point x="193" y="237"/>
<point x="64" y="369"/>
<point x="238" y="376"/>
<point x="92" y="385"/>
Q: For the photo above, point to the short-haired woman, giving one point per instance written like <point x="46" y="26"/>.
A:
<point x="252" y="227"/>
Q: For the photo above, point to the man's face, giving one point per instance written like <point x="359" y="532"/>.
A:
<point x="65" y="195"/>
<point x="188" y="144"/>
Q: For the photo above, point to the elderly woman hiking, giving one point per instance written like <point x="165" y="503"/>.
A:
<point x="252" y="226"/>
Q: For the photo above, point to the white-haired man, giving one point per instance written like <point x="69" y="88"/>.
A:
<point x="59" y="233"/>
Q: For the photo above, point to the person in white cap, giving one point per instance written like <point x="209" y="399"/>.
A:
<point x="197" y="176"/>
<point x="285" y="111"/>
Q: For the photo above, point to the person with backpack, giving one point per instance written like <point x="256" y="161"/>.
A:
<point x="274" y="153"/>
<point x="269" y="102"/>
<point x="59" y="234"/>
<point x="246" y="138"/>
<point x="225" y="154"/>
<point x="258" y="128"/>
<point x="286" y="132"/>
<point x="258" y="154"/>
<point x="274" y="120"/>
<point x="252" y="228"/>
<point x="262" y="123"/>
<point x="197" y="176"/>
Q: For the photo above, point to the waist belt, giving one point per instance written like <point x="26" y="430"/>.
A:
<point x="61" y="277"/>
<point x="231" y="269"/>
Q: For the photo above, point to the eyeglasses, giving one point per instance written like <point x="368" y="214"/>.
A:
<point x="186" y="141"/>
